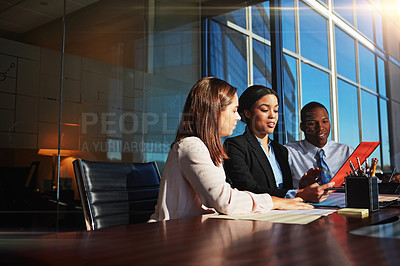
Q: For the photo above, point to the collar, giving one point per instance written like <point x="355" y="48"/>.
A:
<point x="248" y="130"/>
<point x="254" y="141"/>
<point x="259" y="141"/>
<point x="313" y="149"/>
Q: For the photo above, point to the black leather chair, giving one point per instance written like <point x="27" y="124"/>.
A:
<point x="115" y="194"/>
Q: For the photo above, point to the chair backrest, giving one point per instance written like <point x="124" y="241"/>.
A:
<point x="115" y="194"/>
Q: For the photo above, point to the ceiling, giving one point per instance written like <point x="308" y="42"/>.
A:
<point x="20" y="16"/>
<point x="98" y="29"/>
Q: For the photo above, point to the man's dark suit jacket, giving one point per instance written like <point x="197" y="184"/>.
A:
<point x="248" y="167"/>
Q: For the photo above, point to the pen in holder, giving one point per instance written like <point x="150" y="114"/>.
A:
<point x="362" y="192"/>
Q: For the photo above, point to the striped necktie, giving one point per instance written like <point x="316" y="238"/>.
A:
<point x="325" y="173"/>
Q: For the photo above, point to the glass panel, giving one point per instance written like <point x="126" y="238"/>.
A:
<point x="30" y="78"/>
<point x="345" y="9"/>
<point x="315" y="86"/>
<point x="367" y="68"/>
<point x="262" y="64"/>
<point x="313" y="36"/>
<point x="260" y="20"/>
<point x="288" y="25"/>
<point x="227" y="60"/>
<point x="381" y="77"/>
<point x="364" y="18"/>
<point x="349" y="132"/>
<point x="345" y="55"/>
<point x="290" y="106"/>
<point x="378" y="29"/>
<point x="127" y="76"/>
<point x="228" y="56"/>
<point x="168" y="42"/>
<point x="370" y="122"/>
<point x="128" y="68"/>
<point x="237" y="17"/>
<point x="385" y="163"/>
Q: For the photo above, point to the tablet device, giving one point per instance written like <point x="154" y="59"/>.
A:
<point x="363" y="151"/>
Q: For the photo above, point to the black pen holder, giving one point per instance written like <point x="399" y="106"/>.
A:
<point x="362" y="192"/>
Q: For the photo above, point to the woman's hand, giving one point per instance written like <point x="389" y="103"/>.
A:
<point x="312" y="176"/>
<point x="290" y="204"/>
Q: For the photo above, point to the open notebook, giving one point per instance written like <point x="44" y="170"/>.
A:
<point x="363" y="151"/>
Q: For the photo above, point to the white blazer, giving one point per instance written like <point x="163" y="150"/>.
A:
<point x="191" y="181"/>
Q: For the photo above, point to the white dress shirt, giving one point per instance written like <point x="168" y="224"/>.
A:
<point x="191" y="181"/>
<point x="303" y="156"/>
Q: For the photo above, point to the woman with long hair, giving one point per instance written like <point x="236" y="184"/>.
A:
<point x="193" y="180"/>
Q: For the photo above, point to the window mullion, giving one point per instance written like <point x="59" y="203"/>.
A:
<point x="249" y="38"/>
<point x="333" y="76"/>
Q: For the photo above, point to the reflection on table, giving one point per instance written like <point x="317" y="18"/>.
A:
<point x="203" y="241"/>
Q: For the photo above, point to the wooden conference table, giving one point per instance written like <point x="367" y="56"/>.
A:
<point x="208" y="241"/>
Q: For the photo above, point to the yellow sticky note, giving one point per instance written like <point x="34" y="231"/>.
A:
<point x="354" y="212"/>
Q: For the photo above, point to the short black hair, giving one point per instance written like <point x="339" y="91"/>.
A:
<point x="308" y="107"/>
<point x="250" y="96"/>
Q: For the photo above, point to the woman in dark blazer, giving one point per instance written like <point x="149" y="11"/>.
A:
<point x="258" y="164"/>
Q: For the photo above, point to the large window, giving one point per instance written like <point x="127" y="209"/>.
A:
<point x="333" y="56"/>
<point x="240" y="49"/>
<point x="367" y="68"/>
<point x="385" y="148"/>
<point x="353" y="85"/>
<point x="315" y="85"/>
<point x="365" y="20"/>
<point x="349" y="131"/>
<point x="260" y="20"/>
<point x="228" y="49"/>
<point x="345" y="9"/>
<point x="370" y="119"/>
<point x="261" y="61"/>
<point x="345" y="55"/>
<point x="289" y="25"/>
<point x="313" y="35"/>
<point x="291" y="97"/>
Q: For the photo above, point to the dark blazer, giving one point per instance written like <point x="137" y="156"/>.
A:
<point x="248" y="167"/>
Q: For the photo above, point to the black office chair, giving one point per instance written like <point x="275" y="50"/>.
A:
<point x="115" y="194"/>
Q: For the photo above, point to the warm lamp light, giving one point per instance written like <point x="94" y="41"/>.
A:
<point x="51" y="152"/>
<point x="54" y="153"/>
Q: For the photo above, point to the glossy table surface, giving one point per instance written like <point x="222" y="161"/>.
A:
<point x="208" y="241"/>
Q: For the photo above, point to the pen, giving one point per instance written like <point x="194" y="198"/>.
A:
<point x="374" y="163"/>
<point x="341" y="188"/>
<point x="391" y="175"/>
<point x="359" y="171"/>
<point x="358" y="162"/>
<point x="352" y="167"/>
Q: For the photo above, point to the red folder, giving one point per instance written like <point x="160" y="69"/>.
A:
<point x="363" y="151"/>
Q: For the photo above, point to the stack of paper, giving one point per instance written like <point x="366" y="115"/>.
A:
<point x="282" y="216"/>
